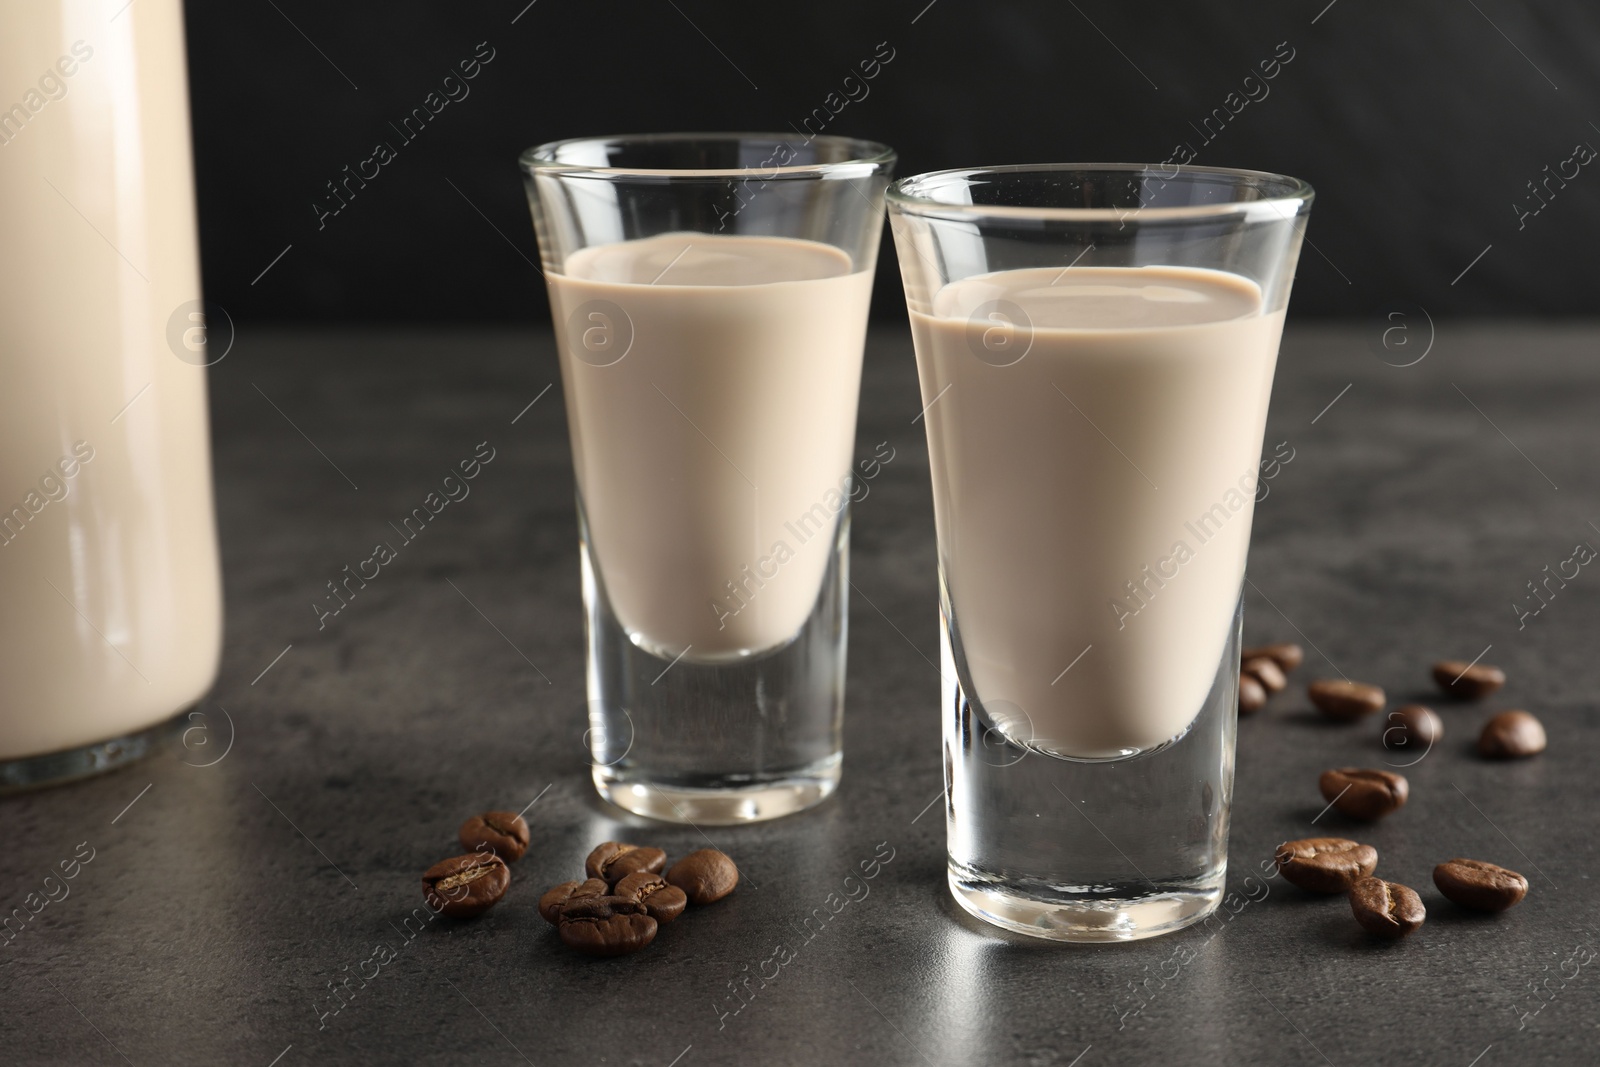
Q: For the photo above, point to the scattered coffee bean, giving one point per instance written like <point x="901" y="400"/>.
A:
<point x="1387" y="909"/>
<point x="1364" y="794"/>
<point x="1267" y="672"/>
<point x="1286" y="654"/>
<point x="1340" y="699"/>
<point x="706" y="875"/>
<point x="1412" y="727"/>
<point x="503" y="831"/>
<point x="1252" y="695"/>
<point x="1511" y="735"/>
<point x="1325" y="864"/>
<point x="1469" y="681"/>
<point x="606" y="926"/>
<point x="661" y="901"/>
<point x="1480" y="886"/>
<point x="614" y="861"/>
<point x="464" y="886"/>
<point x="555" y="899"/>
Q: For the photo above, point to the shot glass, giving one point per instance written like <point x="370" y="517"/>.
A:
<point x="1095" y="345"/>
<point x="710" y="296"/>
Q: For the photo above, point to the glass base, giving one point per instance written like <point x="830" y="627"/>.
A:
<point x="1087" y="850"/>
<point x="57" y="768"/>
<point x="717" y="743"/>
<point x="1088" y="920"/>
<point x="721" y="807"/>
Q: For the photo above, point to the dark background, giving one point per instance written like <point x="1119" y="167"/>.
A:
<point x="1419" y="123"/>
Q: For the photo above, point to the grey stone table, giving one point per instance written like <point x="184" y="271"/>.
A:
<point x="220" y="906"/>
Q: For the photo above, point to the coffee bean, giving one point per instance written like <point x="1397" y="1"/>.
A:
<point x="614" y="861"/>
<point x="1265" y="671"/>
<point x="1252" y="696"/>
<point x="1364" y="794"/>
<point x="1287" y="655"/>
<point x="1339" y="699"/>
<point x="1412" y="727"/>
<point x="464" y="886"/>
<point x="1387" y="909"/>
<point x="502" y="831"/>
<point x="551" y="902"/>
<point x="663" y="902"/>
<point x="705" y="875"/>
<point x="555" y="899"/>
<point x="1325" y="864"/>
<point x="606" y="926"/>
<point x="1469" y="681"/>
<point x="1480" y="886"/>
<point x="1511" y="735"/>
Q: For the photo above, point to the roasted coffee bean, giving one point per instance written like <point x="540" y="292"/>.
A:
<point x="1412" y="727"/>
<point x="705" y="875"/>
<point x="606" y="926"/>
<point x="1339" y="699"/>
<point x="1387" y="909"/>
<point x="1252" y="696"/>
<point x="1469" y="681"/>
<point x="555" y="899"/>
<point x="1511" y="735"/>
<point x="503" y="831"/>
<point x="1266" y="671"/>
<point x="1480" y="886"/>
<point x="614" y="861"/>
<point x="1364" y="794"/>
<point x="1286" y="654"/>
<point x="464" y="886"/>
<point x="663" y="902"/>
<point x="1325" y="864"/>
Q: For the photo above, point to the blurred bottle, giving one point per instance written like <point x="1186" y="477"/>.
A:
<point x="110" y="596"/>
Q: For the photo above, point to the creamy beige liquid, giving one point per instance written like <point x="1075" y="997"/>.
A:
<point x="110" y="604"/>
<point x="713" y="446"/>
<point x="1127" y="436"/>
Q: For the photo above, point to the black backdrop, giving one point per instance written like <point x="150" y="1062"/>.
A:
<point x="1421" y="123"/>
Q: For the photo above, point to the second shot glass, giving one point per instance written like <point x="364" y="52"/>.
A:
<point x="1096" y="347"/>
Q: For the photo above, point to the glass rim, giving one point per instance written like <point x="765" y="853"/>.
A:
<point x="862" y="157"/>
<point x="906" y="194"/>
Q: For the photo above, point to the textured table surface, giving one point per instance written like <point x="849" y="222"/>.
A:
<point x="219" y="906"/>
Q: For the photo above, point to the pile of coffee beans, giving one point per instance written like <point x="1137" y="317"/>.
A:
<point x="1264" y="671"/>
<point x="468" y="885"/>
<point x="1338" y="865"/>
<point x="617" y="909"/>
<point x="614" y="911"/>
